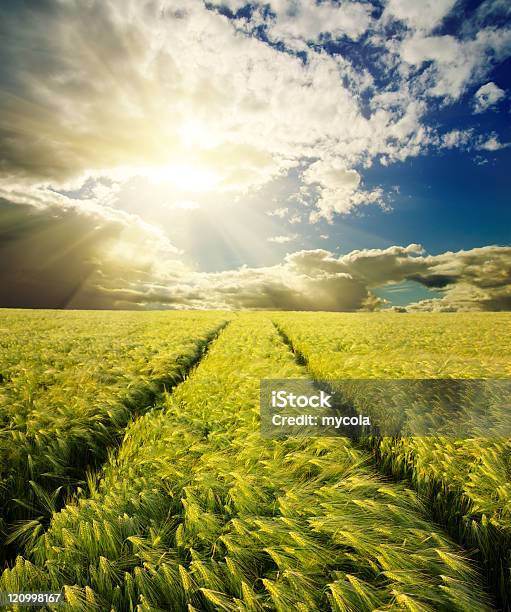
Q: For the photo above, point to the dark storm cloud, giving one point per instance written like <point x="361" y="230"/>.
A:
<point x="433" y="281"/>
<point x="475" y="279"/>
<point x="48" y="256"/>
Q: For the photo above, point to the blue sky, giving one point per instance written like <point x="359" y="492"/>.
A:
<point x="330" y="155"/>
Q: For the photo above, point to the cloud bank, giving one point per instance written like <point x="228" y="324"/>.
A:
<point x="57" y="256"/>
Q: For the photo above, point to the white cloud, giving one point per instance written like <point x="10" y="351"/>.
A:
<point x="418" y="49"/>
<point x="419" y="14"/>
<point x="467" y="140"/>
<point x="278" y="212"/>
<point x="457" y="139"/>
<point x="332" y="175"/>
<point x="306" y="20"/>
<point x="487" y="96"/>
<point x="338" y="189"/>
<point x="492" y="143"/>
<point x="452" y="66"/>
<point x="283" y="239"/>
<point x="455" y="63"/>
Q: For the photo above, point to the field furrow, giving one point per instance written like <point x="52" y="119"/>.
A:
<point x="70" y="383"/>
<point x="465" y="484"/>
<point x="197" y="512"/>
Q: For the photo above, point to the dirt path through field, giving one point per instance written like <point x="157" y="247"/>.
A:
<point x="492" y="563"/>
<point x="29" y="501"/>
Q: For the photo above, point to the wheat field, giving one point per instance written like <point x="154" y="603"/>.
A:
<point x="133" y="474"/>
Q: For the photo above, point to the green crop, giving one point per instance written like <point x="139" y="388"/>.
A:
<point x="70" y="383"/>
<point x="466" y="484"/>
<point x="195" y="511"/>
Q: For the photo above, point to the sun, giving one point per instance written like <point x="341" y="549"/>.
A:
<point x="185" y="177"/>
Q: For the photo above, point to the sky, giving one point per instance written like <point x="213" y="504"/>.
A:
<point x="279" y="154"/>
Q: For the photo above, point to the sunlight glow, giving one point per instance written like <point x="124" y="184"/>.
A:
<point x="185" y="177"/>
<point x="194" y="133"/>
